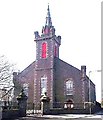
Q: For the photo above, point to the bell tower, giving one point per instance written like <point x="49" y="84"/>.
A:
<point x="47" y="48"/>
<point x="47" y="44"/>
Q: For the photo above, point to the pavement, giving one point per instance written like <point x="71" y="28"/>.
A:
<point x="62" y="117"/>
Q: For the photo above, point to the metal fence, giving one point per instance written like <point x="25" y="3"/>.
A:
<point x="8" y="105"/>
<point x="69" y="105"/>
<point x="37" y="106"/>
<point x="33" y="108"/>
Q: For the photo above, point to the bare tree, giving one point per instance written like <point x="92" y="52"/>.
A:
<point x="6" y="70"/>
<point x="6" y="75"/>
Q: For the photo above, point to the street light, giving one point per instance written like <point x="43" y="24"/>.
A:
<point x="90" y="87"/>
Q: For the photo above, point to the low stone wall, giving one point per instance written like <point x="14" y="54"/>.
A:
<point x="56" y="111"/>
<point x="77" y="110"/>
<point x="10" y="114"/>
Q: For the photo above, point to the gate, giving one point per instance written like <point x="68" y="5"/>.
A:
<point x="33" y="108"/>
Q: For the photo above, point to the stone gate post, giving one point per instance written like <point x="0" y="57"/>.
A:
<point x="22" y="103"/>
<point x="45" y="104"/>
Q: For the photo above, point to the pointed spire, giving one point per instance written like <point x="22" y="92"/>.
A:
<point x="48" y="28"/>
<point x="48" y="18"/>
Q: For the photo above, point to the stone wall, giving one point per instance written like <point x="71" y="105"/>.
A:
<point x="10" y="114"/>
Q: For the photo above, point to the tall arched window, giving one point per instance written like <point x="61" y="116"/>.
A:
<point x="69" y="87"/>
<point x="43" y="85"/>
<point x="55" y="51"/>
<point x="26" y="88"/>
<point x="44" y="50"/>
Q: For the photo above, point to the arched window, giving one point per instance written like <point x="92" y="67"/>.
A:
<point x="26" y="88"/>
<point x="55" y="51"/>
<point x="43" y="85"/>
<point x="69" y="87"/>
<point x="44" y="50"/>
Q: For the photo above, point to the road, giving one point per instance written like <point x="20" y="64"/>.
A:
<point x="63" y="117"/>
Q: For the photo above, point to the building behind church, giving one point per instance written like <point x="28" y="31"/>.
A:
<point x="63" y="82"/>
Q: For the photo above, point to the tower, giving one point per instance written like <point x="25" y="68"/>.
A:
<point x="47" y="47"/>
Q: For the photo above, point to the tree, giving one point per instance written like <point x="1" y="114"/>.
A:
<point x="6" y="75"/>
<point x="6" y="70"/>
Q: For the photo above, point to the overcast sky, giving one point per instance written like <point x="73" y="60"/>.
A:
<point x="77" y="21"/>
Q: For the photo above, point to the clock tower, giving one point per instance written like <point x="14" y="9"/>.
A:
<point x="47" y="48"/>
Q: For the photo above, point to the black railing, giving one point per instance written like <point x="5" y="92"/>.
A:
<point x="33" y="108"/>
<point x="5" y="105"/>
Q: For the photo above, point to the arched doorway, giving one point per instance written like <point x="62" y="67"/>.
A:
<point x="69" y="104"/>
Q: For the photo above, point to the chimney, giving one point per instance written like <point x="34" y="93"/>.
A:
<point x="83" y="71"/>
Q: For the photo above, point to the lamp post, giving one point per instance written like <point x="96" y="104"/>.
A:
<point x="90" y="87"/>
<point x="89" y="93"/>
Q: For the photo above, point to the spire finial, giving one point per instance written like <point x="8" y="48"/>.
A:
<point x="48" y="18"/>
<point x="48" y="8"/>
<point x="48" y="5"/>
<point x="48" y="28"/>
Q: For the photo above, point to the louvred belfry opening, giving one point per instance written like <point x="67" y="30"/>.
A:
<point x="44" y="50"/>
<point x="55" y="52"/>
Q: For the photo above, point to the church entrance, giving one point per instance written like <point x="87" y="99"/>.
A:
<point x="69" y="104"/>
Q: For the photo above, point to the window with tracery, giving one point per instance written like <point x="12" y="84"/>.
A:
<point x="69" y="87"/>
<point x="44" y="50"/>
<point x="43" y="85"/>
<point x="26" y="88"/>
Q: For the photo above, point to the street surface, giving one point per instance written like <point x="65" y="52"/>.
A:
<point x="62" y="117"/>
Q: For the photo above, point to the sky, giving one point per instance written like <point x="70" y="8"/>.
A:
<point x="77" y="21"/>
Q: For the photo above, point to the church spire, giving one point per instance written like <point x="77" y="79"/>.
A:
<point x="48" y="28"/>
<point x="48" y="18"/>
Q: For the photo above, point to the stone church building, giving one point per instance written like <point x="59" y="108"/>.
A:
<point x="63" y="82"/>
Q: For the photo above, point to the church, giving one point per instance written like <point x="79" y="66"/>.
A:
<point x="62" y="82"/>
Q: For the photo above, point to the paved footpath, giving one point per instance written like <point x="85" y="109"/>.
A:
<point x="62" y="117"/>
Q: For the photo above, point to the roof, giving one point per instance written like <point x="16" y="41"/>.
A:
<point x="28" y="69"/>
<point x="59" y="60"/>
